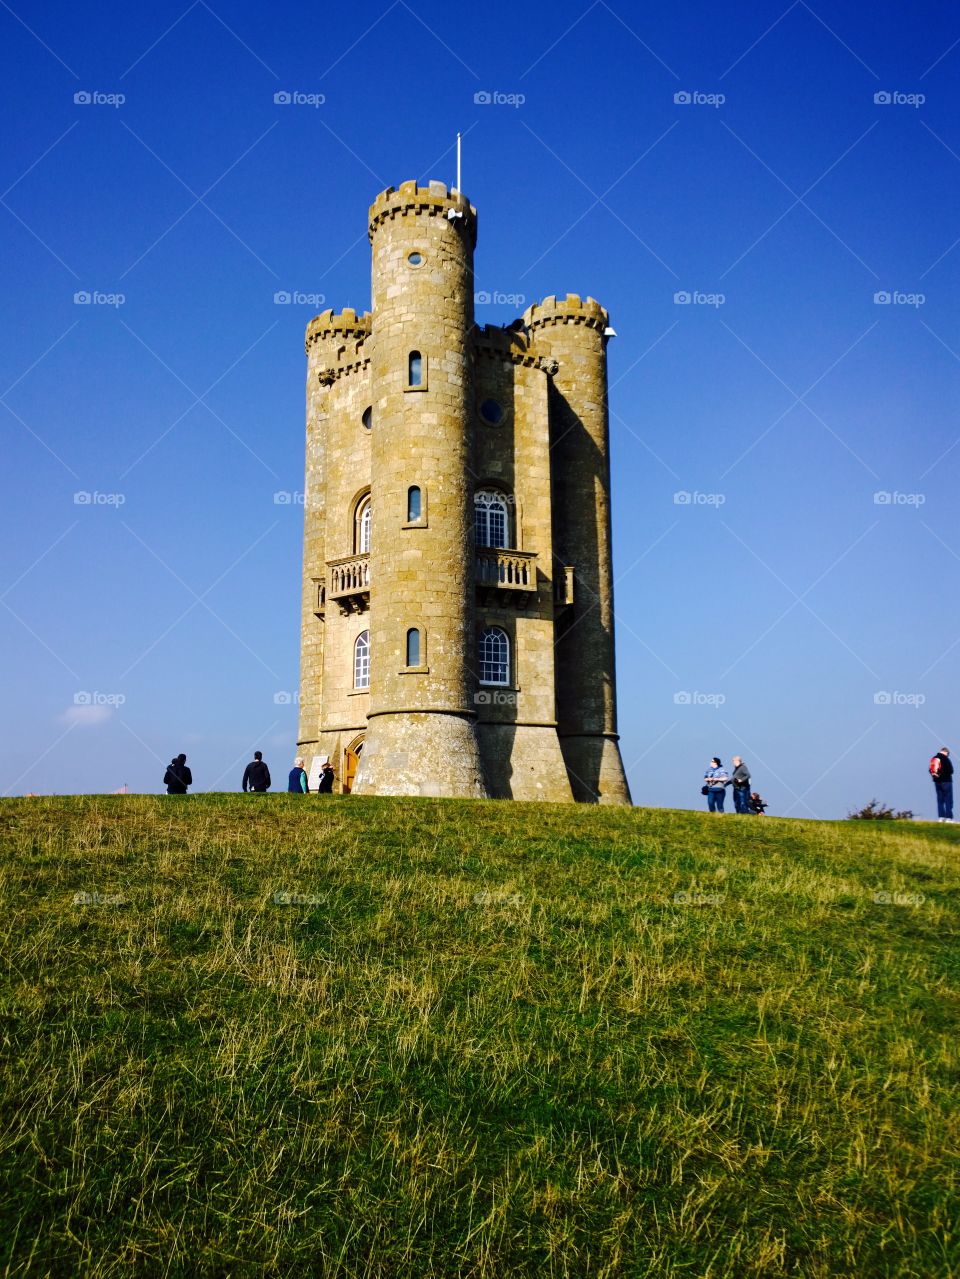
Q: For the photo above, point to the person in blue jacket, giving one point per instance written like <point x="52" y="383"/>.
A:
<point x="714" y="783"/>
<point x="297" y="781"/>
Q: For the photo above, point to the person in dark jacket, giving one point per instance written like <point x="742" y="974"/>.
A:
<point x="941" y="770"/>
<point x="177" y="777"/>
<point x="256" y="775"/>
<point x="757" y="805"/>
<point x="325" y="785"/>
<point x="297" y="781"/>
<point x="740" y="781"/>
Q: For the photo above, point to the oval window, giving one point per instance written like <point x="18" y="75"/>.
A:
<point x="415" y="259"/>
<point x="491" y="412"/>
<point x="367" y="418"/>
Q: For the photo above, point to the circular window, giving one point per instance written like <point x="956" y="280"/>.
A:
<point x="491" y="412"/>
<point x="415" y="259"/>
<point x="367" y="418"/>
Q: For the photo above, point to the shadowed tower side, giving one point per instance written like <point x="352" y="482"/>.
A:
<point x="574" y="334"/>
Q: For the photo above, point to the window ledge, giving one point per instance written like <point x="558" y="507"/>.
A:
<point x="357" y="692"/>
<point x="414" y="670"/>
<point x="415" y="524"/>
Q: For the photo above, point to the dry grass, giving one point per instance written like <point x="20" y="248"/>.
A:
<point x="479" y="1040"/>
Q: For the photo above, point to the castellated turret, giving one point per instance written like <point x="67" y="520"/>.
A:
<point x="457" y="629"/>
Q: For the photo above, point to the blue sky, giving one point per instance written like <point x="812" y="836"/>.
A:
<point x="784" y="611"/>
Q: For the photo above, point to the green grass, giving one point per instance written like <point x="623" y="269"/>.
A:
<point x="498" y="1045"/>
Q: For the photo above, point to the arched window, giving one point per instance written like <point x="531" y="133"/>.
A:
<point x="413" y="647"/>
<point x="361" y="660"/>
<point x="491" y="520"/>
<point x="415" y="369"/>
<point x="414" y="504"/>
<point x="361" y="531"/>
<point x="494" y="656"/>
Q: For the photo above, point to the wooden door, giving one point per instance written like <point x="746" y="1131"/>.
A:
<point x="350" y="760"/>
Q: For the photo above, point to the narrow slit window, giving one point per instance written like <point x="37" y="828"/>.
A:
<point x="415" y="369"/>
<point x="413" y="647"/>
<point x="414" y="504"/>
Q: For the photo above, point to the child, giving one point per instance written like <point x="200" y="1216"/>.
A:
<point x="757" y="805"/>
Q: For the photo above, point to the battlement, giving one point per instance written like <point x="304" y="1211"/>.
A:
<point x="346" y="324"/>
<point x="507" y="344"/>
<point x="570" y="310"/>
<point x="433" y="200"/>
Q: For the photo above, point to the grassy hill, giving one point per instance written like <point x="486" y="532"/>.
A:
<point x="363" y="1037"/>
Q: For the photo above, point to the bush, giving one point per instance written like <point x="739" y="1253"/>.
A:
<point x="875" y="811"/>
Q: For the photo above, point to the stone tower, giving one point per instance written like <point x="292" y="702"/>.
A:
<point x="457" y="630"/>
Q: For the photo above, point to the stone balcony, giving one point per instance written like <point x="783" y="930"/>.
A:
<point x="511" y="575"/>
<point x="348" y="584"/>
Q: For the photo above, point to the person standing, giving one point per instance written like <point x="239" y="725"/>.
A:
<point x="714" y="781"/>
<point x="297" y="781"/>
<point x="941" y="770"/>
<point x="177" y="777"/>
<point x="325" y="785"/>
<point x="256" y="775"/>
<point x="740" y="781"/>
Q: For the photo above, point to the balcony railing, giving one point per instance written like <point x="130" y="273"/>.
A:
<point x="507" y="570"/>
<point x="349" y="583"/>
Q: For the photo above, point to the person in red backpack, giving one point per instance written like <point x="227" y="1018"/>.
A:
<point x="941" y="770"/>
